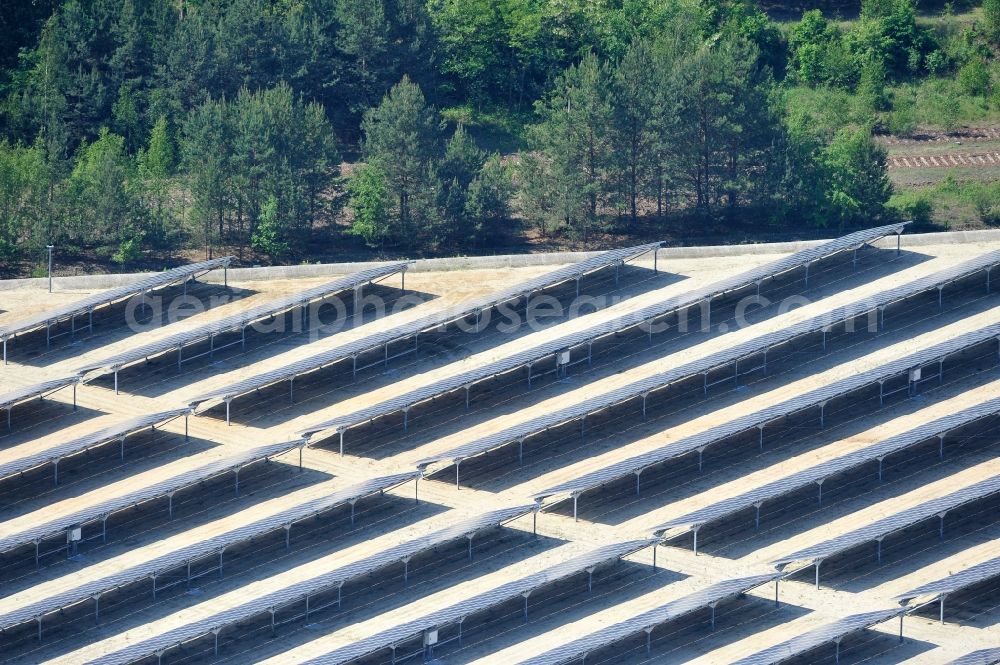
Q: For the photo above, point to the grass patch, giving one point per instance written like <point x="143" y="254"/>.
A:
<point x="496" y="130"/>
<point x="952" y="203"/>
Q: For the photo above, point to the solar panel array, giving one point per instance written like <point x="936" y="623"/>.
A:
<point x="240" y="319"/>
<point x="686" y="371"/>
<point x="826" y="634"/>
<point x="169" y="554"/>
<point x="769" y="414"/>
<point x="90" y="303"/>
<point x="423" y="324"/>
<point x="832" y="467"/>
<point x="203" y="619"/>
<point x="421" y="617"/>
<point x="603" y="327"/>
<point x="670" y="611"/>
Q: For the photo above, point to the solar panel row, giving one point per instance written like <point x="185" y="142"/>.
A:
<point x="832" y="632"/>
<point x="238" y="321"/>
<point x="413" y="329"/>
<point x="11" y="399"/>
<point x="326" y="651"/>
<point x="980" y="657"/>
<point x="648" y="620"/>
<point x="27" y="456"/>
<point x="104" y="298"/>
<point x="817" y="398"/>
<point x="935" y="590"/>
<point x="619" y="324"/>
<point x="177" y="551"/>
<point x="220" y="613"/>
<point x="937" y="506"/>
<point x="827" y="469"/>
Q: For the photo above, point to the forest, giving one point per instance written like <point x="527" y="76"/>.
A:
<point x="137" y="133"/>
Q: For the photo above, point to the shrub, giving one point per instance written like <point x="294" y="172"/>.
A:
<point x="991" y="20"/>
<point x="128" y="250"/>
<point x="903" y="117"/>
<point x="912" y="205"/>
<point x="974" y="78"/>
<point x="936" y="62"/>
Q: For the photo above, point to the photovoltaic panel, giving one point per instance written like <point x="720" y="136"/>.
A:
<point x="546" y="348"/>
<point x="90" y="303"/>
<point x="30" y="455"/>
<point x="202" y="619"/>
<point x="751" y="421"/>
<point x="806" y="642"/>
<point x="56" y="518"/>
<point x="980" y="657"/>
<point x="671" y="611"/>
<point x="317" y="653"/>
<point x="955" y="582"/>
<point x="824" y="470"/>
<point x="173" y="552"/>
<point x="880" y="528"/>
<point x="239" y="320"/>
<point x="422" y="324"/>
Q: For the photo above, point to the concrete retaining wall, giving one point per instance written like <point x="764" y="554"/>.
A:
<point x="85" y="282"/>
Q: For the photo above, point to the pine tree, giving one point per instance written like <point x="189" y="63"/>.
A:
<point x="205" y="156"/>
<point x="370" y="201"/>
<point x="488" y="201"/>
<point x="574" y="134"/>
<point x="266" y="237"/>
<point x="634" y="86"/>
<point x="401" y="137"/>
<point x="860" y="185"/>
<point x="156" y="165"/>
<point x="456" y="170"/>
<point x="100" y="191"/>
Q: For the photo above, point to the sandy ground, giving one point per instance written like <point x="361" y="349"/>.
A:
<point x="269" y="420"/>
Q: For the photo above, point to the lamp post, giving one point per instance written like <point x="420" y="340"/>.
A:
<point x="50" y="248"/>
